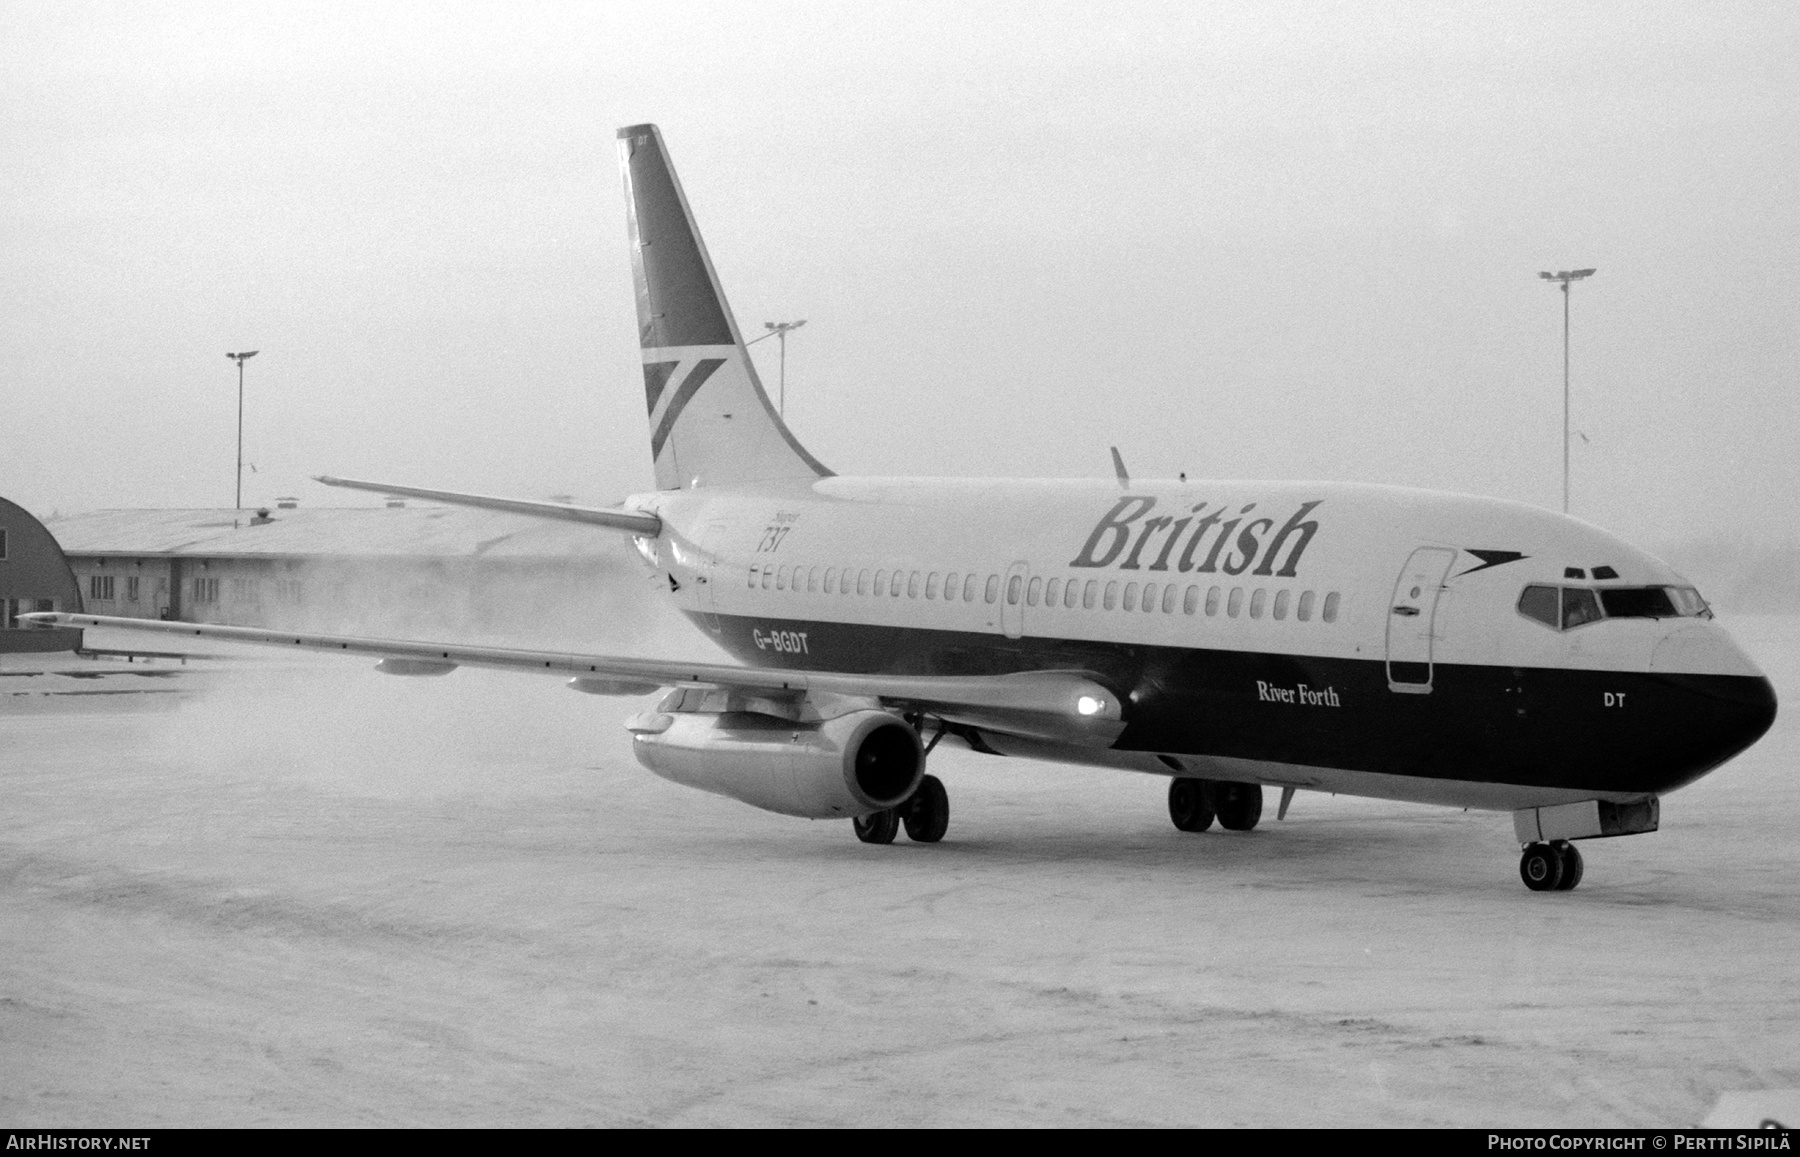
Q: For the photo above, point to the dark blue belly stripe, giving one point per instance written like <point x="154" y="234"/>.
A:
<point x="1600" y="731"/>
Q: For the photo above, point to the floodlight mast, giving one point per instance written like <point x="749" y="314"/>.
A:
<point x="240" y="359"/>
<point x="1563" y="278"/>
<point x="779" y="331"/>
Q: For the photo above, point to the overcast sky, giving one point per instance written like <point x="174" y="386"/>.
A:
<point x="1235" y="239"/>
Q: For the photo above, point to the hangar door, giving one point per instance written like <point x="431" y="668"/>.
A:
<point x="1411" y="617"/>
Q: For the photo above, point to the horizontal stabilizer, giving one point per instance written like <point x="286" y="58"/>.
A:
<point x="612" y="518"/>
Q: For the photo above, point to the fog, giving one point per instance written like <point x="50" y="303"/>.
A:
<point x="1234" y="240"/>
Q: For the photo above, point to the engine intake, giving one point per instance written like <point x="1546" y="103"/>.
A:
<point x="853" y="765"/>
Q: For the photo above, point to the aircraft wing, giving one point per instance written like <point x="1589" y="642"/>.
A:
<point x="1069" y="706"/>
<point x="636" y="522"/>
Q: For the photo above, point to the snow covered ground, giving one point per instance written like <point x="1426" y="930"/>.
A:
<point x="316" y="895"/>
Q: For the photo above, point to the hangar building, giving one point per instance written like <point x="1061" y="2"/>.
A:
<point x="34" y="576"/>
<point x="416" y="568"/>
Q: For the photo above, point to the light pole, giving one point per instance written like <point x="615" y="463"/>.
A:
<point x="779" y="331"/>
<point x="1563" y="278"/>
<point x="240" y="359"/>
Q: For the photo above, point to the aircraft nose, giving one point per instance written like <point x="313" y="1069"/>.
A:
<point x="1727" y="702"/>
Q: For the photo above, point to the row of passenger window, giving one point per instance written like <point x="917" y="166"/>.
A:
<point x="1039" y="591"/>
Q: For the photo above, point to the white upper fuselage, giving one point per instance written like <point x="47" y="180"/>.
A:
<point x="1039" y="529"/>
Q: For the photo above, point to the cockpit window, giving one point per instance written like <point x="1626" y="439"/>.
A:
<point x="1688" y="603"/>
<point x="1654" y="603"/>
<point x="1540" y="603"/>
<point x="1563" y="608"/>
<point x="1638" y="603"/>
<point x="1579" y="606"/>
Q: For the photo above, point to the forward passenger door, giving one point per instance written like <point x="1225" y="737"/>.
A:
<point x="1411" y="617"/>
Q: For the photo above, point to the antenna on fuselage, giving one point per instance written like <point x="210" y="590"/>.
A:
<point x="1119" y="469"/>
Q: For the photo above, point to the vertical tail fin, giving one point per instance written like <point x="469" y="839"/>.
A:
<point x="710" y="421"/>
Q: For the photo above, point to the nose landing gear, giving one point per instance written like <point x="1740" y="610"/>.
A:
<point x="1551" y="867"/>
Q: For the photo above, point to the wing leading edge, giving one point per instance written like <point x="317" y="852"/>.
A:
<point x="1066" y="706"/>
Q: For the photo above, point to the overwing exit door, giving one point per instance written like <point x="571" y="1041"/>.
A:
<point x="1412" y="614"/>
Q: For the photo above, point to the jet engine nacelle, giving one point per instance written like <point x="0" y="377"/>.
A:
<point x="853" y="765"/>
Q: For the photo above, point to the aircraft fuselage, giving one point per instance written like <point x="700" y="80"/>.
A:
<point x="1318" y="635"/>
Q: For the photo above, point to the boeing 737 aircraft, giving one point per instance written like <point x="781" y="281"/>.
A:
<point x="1230" y="635"/>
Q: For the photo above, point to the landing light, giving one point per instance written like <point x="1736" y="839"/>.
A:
<point x="1088" y="705"/>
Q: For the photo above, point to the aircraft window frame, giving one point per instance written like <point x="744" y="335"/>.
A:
<point x="1213" y="596"/>
<point x="1304" y="611"/>
<point x="894" y="584"/>
<point x="969" y="581"/>
<point x="1129" y="602"/>
<point x="1330" y="612"/>
<point x="830" y="579"/>
<point x="1034" y="591"/>
<point x="952" y="582"/>
<point x="862" y="581"/>
<point x="912" y="585"/>
<point x="991" y="590"/>
<point x="754" y="572"/>
<point x="1279" y="613"/>
<point x="1071" y="594"/>
<point x="1168" y="600"/>
<point x="1258" y="598"/>
<point x="1110" y="597"/>
<point x="1015" y="586"/>
<point x="1090" y="593"/>
<point x="1190" y="601"/>
<point x="1052" y="592"/>
<point x="812" y="580"/>
<point x="1234" y="602"/>
<point x="880" y="588"/>
<point x="1147" y="601"/>
<point x="931" y="585"/>
<point x="781" y="578"/>
<point x="768" y="582"/>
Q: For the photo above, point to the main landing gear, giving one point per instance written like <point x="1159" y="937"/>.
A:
<point x="926" y="816"/>
<point x="1551" y="867"/>
<point x="1195" y="803"/>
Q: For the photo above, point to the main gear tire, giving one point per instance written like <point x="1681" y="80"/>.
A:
<point x="1190" y="808"/>
<point x="927" y="813"/>
<point x="1239" y="804"/>
<point x="877" y="827"/>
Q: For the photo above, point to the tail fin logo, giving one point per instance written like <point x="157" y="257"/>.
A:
<point x="656" y="377"/>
